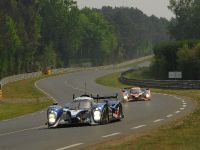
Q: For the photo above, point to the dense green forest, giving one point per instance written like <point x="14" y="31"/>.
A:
<point x="38" y="33"/>
<point x="137" y="32"/>
<point x="183" y="53"/>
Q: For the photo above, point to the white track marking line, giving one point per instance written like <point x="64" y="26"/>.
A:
<point x="176" y="97"/>
<point x="8" y="133"/>
<point x="44" y="91"/>
<point x="41" y="111"/>
<point x="184" y="105"/>
<point x="170" y="115"/>
<point x="177" y="112"/>
<point x="183" y="101"/>
<point x="137" y="127"/>
<point x="20" y="117"/>
<point x="182" y="108"/>
<point x="158" y="120"/>
<point x="6" y="120"/>
<point x="70" y="146"/>
<point x="109" y="135"/>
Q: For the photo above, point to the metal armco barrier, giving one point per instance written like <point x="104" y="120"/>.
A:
<point x="24" y="76"/>
<point x="170" y="84"/>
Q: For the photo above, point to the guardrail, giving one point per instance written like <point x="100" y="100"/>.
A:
<point x="24" y="76"/>
<point x="170" y="84"/>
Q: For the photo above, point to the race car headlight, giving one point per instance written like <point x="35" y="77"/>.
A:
<point x="52" y="117"/>
<point x="125" y="97"/>
<point x="147" y="95"/>
<point x="97" y="115"/>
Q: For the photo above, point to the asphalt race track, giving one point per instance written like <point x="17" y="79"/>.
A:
<point x="30" y="133"/>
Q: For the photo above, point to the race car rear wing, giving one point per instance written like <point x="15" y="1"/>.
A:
<point x="106" y="98"/>
<point x="129" y="88"/>
<point x="84" y="95"/>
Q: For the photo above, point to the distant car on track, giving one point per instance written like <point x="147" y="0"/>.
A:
<point x="136" y="94"/>
<point x="86" y="109"/>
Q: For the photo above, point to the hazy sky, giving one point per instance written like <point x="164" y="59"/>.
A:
<point x="149" y="7"/>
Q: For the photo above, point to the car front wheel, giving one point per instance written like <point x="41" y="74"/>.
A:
<point x="104" y="117"/>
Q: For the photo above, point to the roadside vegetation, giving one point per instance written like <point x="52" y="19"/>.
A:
<point x="142" y="73"/>
<point x="137" y="32"/>
<point x="181" y="134"/>
<point x="135" y="61"/>
<point x="183" y="52"/>
<point x="22" y="97"/>
<point x="180" y="56"/>
<point x="56" y="33"/>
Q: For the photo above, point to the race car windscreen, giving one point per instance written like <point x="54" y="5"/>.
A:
<point x="80" y="105"/>
<point x="135" y="91"/>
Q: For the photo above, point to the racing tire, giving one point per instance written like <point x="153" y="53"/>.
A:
<point x="120" y="112"/>
<point x="48" y="126"/>
<point x="125" y="101"/>
<point x="104" y="117"/>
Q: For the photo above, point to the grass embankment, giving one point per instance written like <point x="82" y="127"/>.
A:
<point x="140" y="74"/>
<point x="180" y="135"/>
<point x="21" y="97"/>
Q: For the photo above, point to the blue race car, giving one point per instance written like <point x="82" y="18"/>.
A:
<point x="86" y="109"/>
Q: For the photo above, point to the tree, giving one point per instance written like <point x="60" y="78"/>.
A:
<point x="49" y="56"/>
<point x="10" y="43"/>
<point x="57" y="24"/>
<point x="189" y="62"/>
<point x="176" y="55"/>
<point x="99" y="42"/>
<point x="40" y="33"/>
<point x="135" y="29"/>
<point x="186" y="23"/>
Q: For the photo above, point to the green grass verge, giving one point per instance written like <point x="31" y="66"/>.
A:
<point x="22" y="97"/>
<point x="110" y="80"/>
<point x="140" y="74"/>
<point x="180" y="135"/>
